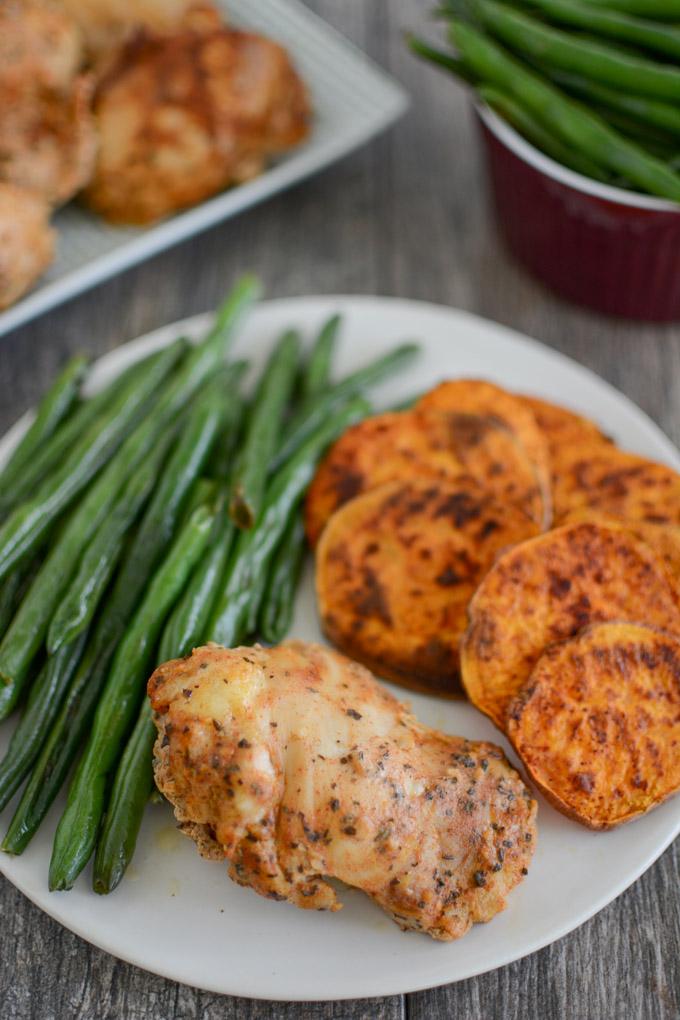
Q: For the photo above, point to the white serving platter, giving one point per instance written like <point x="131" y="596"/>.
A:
<point x="180" y="916"/>
<point x="353" y="100"/>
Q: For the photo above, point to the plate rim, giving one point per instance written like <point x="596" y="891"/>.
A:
<point x="134" y="348"/>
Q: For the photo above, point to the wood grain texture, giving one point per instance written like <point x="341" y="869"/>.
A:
<point x="407" y="215"/>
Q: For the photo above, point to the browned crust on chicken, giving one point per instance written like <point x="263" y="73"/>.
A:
<point x="106" y="24"/>
<point x="296" y="766"/>
<point x="26" y="241"/>
<point x="183" y="116"/>
<point x="40" y="46"/>
<point x="47" y="139"/>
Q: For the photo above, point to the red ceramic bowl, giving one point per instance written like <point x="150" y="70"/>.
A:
<point x="610" y="249"/>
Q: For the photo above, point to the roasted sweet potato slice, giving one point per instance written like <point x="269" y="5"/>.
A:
<point x="546" y="590"/>
<point x="664" y="539"/>
<point x="477" y="396"/>
<point x="402" y="446"/>
<point x="597" y="724"/>
<point x="396" y="568"/>
<point x="398" y="445"/>
<point x="562" y="427"/>
<point x="618" y="483"/>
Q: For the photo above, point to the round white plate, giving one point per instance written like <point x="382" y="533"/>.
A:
<point x="180" y="916"/>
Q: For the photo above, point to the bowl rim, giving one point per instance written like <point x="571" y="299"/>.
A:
<point x="550" y="168"/>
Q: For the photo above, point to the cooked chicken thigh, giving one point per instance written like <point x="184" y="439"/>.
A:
<point x="108" y="23"/>
<point x="47" y="139"/>
<point x="183" y="116"/>
<point x="26" y="241"/>
<point x="40" y="46"/>
<point x="295" y="765"/>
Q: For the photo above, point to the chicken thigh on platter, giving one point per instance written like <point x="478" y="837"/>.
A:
<point x="183" y="116"/>
<point x="296" y="765"/>
<point x="26" y="241"/>
<point x="40" y="46"/>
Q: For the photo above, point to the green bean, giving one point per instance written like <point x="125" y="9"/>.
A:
<point x="516" y="115"/>
<point x="50" y="457"/>
<point x="13" y="590"/>
<point x="25" y="635"/>
<point x="81" y="599"/>
<point x="252" y="551"/>
<point x="26" y="526"/>
<point x="77" y="830"/>
<point x="222" y="457"/>
<point x="262" y="430"/>
<point x="133" y="781"/>
<point x="177" y="482"/>
<point x="661" y="10"/>
<point x="188" y="621"/>
<point x="309" y="419"/>
<point x="62" y="744"/>
<point x="276" y="611"/>
<point x="442" y="59"/>
<point x="130" y="794"/>
<point x="51" y="411"/>
<point x="653" y="140"/>
<point x="317" y="374"/>
<point x="647" y="34"/>
<point x="648" y="112"/>
<point x="28" y="523"/>
<point x="44" y="701"/>
<point x="574" y="125"/>
<point x="592" y="59"/>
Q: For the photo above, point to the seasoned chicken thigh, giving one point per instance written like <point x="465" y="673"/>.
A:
<point x="26" y="241"/>
<point x="295" y="765"/>
<point x="47" y="139"/>
<point x="183" y="116"/>
<point x="40" y="46"/>
<point x="107" y="23"/>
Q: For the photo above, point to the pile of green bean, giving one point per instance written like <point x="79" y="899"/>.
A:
<point x="595" y="84"/>
<point x="159" y="514"/>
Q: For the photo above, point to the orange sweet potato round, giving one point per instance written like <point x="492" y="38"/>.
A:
<point x="406" y="445"/>
<point x="622" y="484"/>
<point x="396" y="568"/>
<point x="478" y="396"/>
<point x="664" y="539"/>
<point x="597" y="724"/>
<point x="561" y="427"/>
<point x="548" y="589"/>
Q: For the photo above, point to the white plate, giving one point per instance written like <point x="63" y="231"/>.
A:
<point x="353" y="100"/>
<point x="181" y="917"/>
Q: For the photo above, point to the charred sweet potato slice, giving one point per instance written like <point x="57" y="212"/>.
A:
<point x="478" y="396"/>
<point x="396" y="568"/>
<point x="562" y="427"/>
<point x="407" y="445"/>
<point x="597" y="724"/>
<point x="548" y="589"/>
<point x="398" y="445"/>
<point x="618" y="483"/>
<point x="664" y="539"/>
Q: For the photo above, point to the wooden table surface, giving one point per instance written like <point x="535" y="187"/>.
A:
<point x="407" y="215"/>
